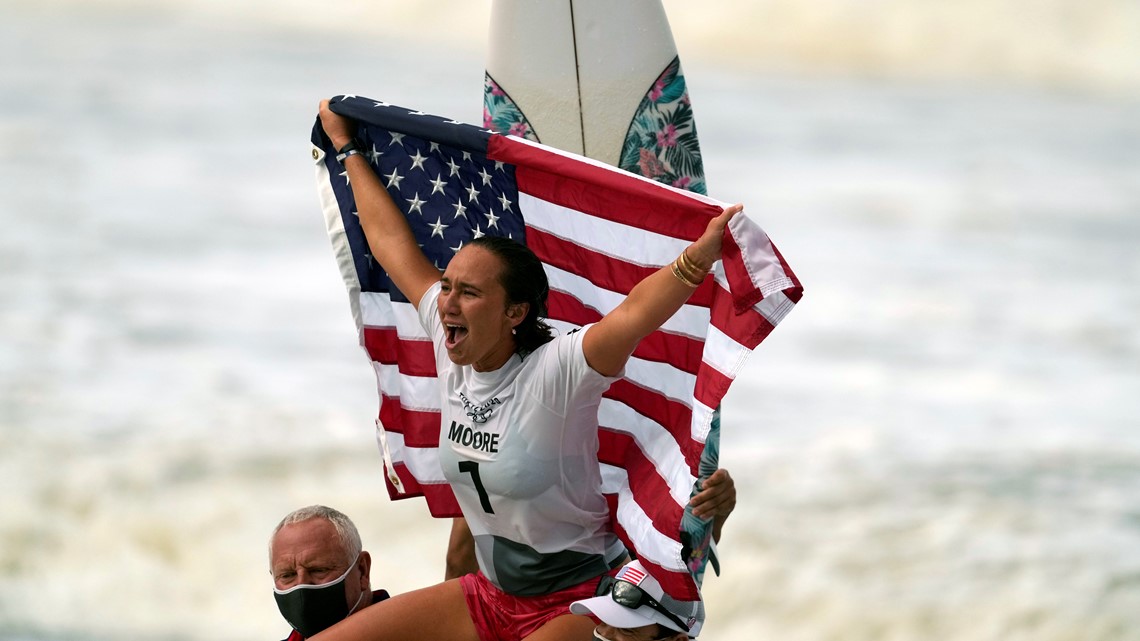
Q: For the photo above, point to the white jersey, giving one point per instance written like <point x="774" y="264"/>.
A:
<point x="519" y="447"/>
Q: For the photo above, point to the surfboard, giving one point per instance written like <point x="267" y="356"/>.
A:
<point x="602" y="79"/>
<point x="597" y="78"/>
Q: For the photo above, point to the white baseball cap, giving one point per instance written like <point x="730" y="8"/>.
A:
<point x="633" y="603"/>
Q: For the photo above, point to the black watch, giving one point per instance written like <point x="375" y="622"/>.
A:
<point x="350" y="148"/>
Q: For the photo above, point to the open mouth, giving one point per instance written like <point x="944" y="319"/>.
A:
<point x="455" y="334"/>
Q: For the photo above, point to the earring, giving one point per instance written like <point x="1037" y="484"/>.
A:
<point x="514" y="331"/>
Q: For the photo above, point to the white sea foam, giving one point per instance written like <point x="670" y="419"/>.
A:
<point x="1064" y="43"/>
<point x="939" y="443"/>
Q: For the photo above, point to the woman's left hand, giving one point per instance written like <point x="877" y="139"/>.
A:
<point x="706" y="250"/>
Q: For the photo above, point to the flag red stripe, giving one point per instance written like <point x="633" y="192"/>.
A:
<point x="603" y="192"/>
<point x="674" y="416"/>
<point x="797" y="292"/>
<point x="650" y="491"/>
<point x="604" y="271"/>
<point x="440" y="499"/>
<point x="612" y="502"/>
<point x="745" y="293"/>
<point x="679" y="585"/>
<point x="565" y="307"/>
<point x="414" y="357"/>
<point x="711" y="387"/>
<point x="683" y="352"/>
<point x="747" y="327"/>
<point x="608" y="272"/>
<point x="420" y="428"/>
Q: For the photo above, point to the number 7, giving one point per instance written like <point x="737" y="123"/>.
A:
<point x="472" y="468"/>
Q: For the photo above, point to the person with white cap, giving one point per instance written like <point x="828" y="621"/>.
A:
<point x="632" y="606"/>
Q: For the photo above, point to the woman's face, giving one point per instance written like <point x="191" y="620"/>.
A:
<point x="473" y="307"/>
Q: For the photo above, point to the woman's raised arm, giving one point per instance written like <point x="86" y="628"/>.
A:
<point x="609" y="343"/>
<point x="391" y="240"/>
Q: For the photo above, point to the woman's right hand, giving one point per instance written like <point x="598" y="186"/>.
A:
<point x="339" y="129"/>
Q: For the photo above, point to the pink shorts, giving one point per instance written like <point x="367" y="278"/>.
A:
<point x="499" y="616"/>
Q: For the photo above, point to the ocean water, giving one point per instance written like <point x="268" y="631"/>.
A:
<point x="942" y="442"/>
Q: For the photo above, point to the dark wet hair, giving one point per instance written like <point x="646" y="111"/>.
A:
<point x="524" y="279"/>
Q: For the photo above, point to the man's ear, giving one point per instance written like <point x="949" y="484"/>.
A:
<point x="365" y="564"/>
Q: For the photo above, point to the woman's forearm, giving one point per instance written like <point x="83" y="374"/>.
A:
<point x="390" y="239"/>
<point x="608" y="344"/>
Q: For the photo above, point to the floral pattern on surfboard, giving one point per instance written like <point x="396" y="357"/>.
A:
<point x="501" y="114"/>
<point x="661" y="142"/>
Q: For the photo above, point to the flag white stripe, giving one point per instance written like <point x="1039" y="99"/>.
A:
<point x="764" y="267"/>
<point x="376" y="309"/>
<point x="775" y="307"/>
<point x="656" y="444"/>
<point x="702" y="421"/>
<point x="342" y="252"/>
<point x="690" y="320"/>
<point x="652" y="544"/>
<point x="724" y="354"/>
<point x="667" y="379"/>
<point x="419" y="393"/>
<point x="618" y="240"/>
<point x="422" y="462"/>
<point x="408" y="322"/>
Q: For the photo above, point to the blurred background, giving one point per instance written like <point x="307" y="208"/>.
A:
<point x="941" y="442"/>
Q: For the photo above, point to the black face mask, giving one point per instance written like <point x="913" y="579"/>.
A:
<point x="311" y="609"/>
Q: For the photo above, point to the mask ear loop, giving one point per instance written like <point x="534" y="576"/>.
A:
<point x="361" y="597"/>
<point x="358" y="600"/>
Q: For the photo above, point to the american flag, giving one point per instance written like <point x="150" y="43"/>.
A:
<point x="631" y="574"/>
<point x="598" y="231"/>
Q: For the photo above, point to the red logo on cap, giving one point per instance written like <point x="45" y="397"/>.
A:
<point x="632" y="575"/>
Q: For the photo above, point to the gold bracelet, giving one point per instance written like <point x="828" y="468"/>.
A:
<point x="692" y="273"/>
<point x="681" y="277"/>
<point x="689" y="274"/>
<point x="690" y="263"/>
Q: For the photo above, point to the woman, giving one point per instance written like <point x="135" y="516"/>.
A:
<point x="518" y="437"/>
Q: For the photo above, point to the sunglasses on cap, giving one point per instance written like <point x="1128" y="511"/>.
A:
<point x="629" y="595"/>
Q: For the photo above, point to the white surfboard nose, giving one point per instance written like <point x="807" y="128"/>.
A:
<point x="578" y="69"/>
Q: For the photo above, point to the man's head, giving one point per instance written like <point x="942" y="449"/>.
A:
<point x="632" y="606"/>
<point x="320" y="574"/>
